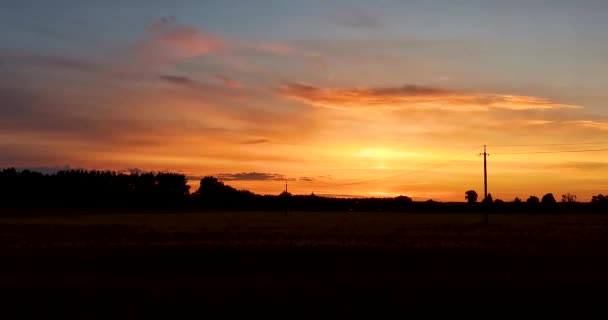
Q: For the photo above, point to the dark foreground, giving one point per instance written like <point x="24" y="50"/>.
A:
<point x="117" y="265"/>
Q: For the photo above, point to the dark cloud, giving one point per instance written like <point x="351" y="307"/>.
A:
<point x="48" y="60"/>
<point x="177" y="79"/>
<point x="409" y="89"/>
<point x="256" y="141"/>
<point x="357" y="18"/>
<point x="32" y="113"/>
<point x="225" y="86"/>
<point x="194" y="177"/>
<point x="412" y="97"/>
<point x="193" y="84"/>
<point x="252" y="176"/>
<point x="317" y="178"/>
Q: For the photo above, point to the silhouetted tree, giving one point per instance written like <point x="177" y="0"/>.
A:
<point x="489" y="199"/>
<point x="81" y="188"/>
<point x="599" y="199"/>
<point x="72" y="188"/>
<point x="568" y="197"/>
<point x="517" y="200"/>
<point x="548" y="199"/>
<point x="533" y="200"/>
<point x="471" y="196"/>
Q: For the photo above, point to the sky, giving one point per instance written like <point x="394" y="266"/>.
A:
<point x="354" y="98"/>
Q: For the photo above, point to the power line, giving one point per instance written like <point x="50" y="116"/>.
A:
<point x="545" y="144"/>
<point x="561" y="151"/>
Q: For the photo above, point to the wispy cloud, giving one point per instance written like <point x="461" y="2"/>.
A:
<point x="38" y="60"/>
<point x="315" y="179"/>
<point x="171" y="37"/>
<point x="592" y="124"/>
<point x="280" y="49"/>
<point x="411" y="97"/>
<point x="226" y="81"/>
<point x="176" y="79"/>
<point x="256" y="141"/>
<point x="356" y="18"/>
<point x="252" y="176"/>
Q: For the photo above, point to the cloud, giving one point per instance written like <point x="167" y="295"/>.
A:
<point x="280" y="49"/>
<point x="313" y="179"/>
<point x="190" y="83"/>
<point x="592" y="124"/>
<point x="252" y="176"/>
<point x="411" y="97"/>
<point x="37" y="60"/>
<point x="167" y="40"/>
<point x="356" y="18"/>
<point x="256" y="141"/>
<point x="226" y="81"/>
<point x="85" y="66"/>
<point x="176" y="79"/>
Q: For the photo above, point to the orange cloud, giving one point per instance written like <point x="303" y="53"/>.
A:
<point x="280" y="49"/>
<point x="599" y="125"/>
<point x="411" y="97"/>
<point x="167" y="39"/>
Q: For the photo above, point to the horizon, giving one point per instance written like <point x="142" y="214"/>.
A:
<point x="193" y="185"/>
<point x="335" y="97"/>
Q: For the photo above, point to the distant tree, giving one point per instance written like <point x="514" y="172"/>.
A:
<point x="517" y="200"/>
<point x="489" y="199"/>
<point x="211" y="186"/>
<point x="285" y="194"/>
<point x="403" y="200"/>
<point x="548" y="199"/>
<point x="599" y="199"/>
<point x="471" y="196"/>
<point x="568" y="197"/>
<point x="533" y="200"/>
<point x="498" y="201"/>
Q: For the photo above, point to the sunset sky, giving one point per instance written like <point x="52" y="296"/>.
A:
<point x="373" y="98"/>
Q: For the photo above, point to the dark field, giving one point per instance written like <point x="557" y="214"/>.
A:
<point x="108" y="265"/>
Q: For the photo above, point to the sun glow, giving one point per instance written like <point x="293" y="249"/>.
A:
<point x="385" y="154"/>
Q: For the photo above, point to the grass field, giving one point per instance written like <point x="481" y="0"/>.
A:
<point x="106" y="264"/>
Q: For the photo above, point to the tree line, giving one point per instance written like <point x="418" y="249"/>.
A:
<point x="103" y="189"/>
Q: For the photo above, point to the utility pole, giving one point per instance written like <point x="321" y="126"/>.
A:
<point x="485" y="185"/>
<point x="286" y="200"/>
<point x="485" y="174"/>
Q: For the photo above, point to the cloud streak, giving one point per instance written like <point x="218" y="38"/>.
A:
<point x="357" y="18"/>
<point x="256" y="141"/>
<point x="411" y="97"/>
<point x="280" y="49"/>
<point x="252" y="176"/>
<point x="226" y="81"/>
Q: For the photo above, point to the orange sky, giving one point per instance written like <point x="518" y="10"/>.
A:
<point x="368" y="109"/>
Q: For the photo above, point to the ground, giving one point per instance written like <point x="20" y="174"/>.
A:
<point x="102" y="264"/>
